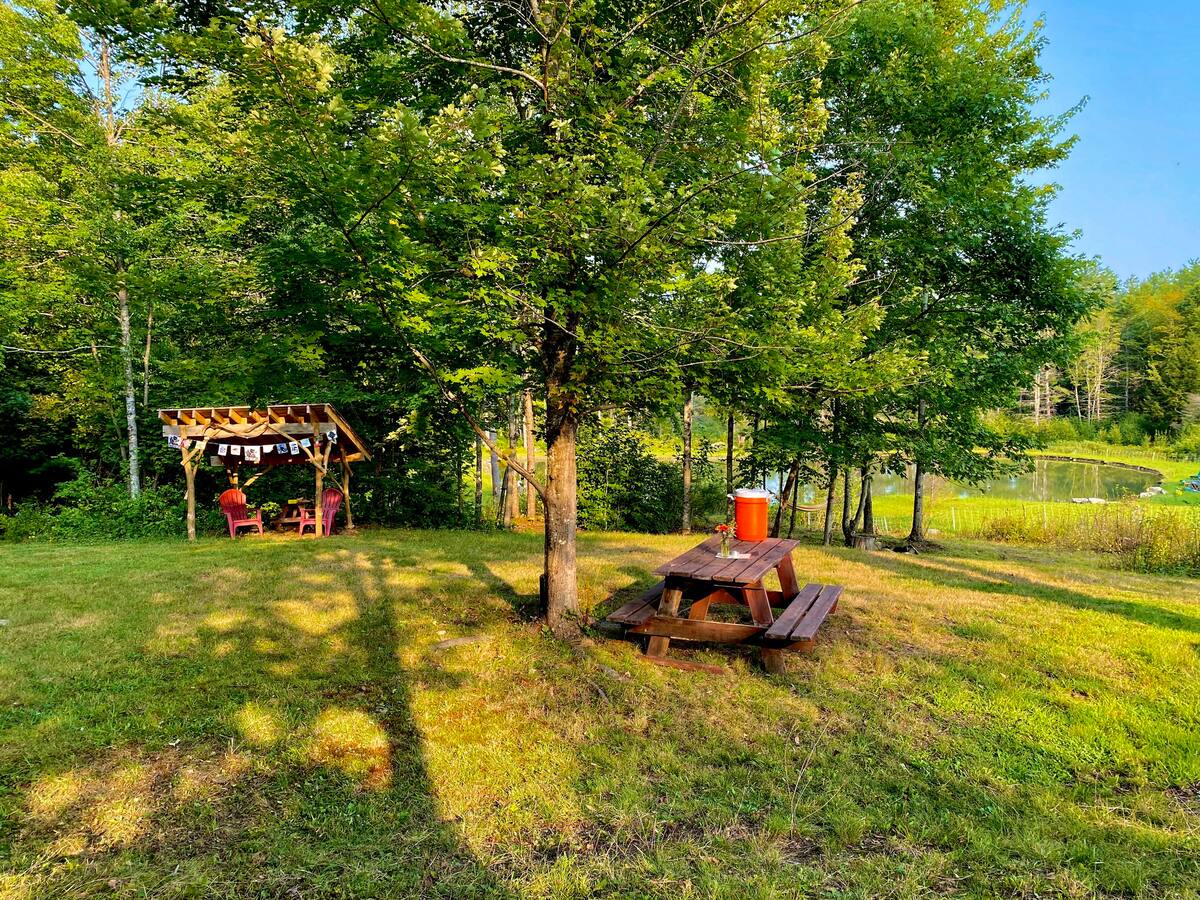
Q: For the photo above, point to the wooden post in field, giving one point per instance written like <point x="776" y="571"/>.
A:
<point x="320" y="476"/>
<point x="346" y="486"/>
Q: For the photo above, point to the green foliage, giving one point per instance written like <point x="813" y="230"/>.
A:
<point x="624" y="487"/>
<point x="85" y="509"/>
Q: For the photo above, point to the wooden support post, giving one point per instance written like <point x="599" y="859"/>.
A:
<point x="189" y="473"/>
<point x="760" y="611"/>
<point x="189" y="458"/>
<point x="667" y="606"/>
<point x="320" y="478"/>
<point x="788" y="585"/>
<point x="346" y="490"/>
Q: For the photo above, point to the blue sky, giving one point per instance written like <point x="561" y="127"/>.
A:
<point x="1132" y="184"/>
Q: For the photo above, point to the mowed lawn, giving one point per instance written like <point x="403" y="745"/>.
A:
<point x="275" y="718"/>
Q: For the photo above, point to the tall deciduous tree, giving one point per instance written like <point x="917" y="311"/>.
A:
<point x="519" y="190"/>
<point x="934" y="105"/>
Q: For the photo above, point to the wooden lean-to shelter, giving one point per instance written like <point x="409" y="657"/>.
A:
<point x="285" y="434"/>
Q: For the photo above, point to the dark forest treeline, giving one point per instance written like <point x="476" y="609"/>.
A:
<point x="1137" y="361"/>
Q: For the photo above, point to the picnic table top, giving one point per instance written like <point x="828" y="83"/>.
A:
<point x="702" y="563"/>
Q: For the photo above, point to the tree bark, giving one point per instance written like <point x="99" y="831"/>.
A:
<point x="857" y="522"/>
<point x="530" y="457"/>
<point x="729" y="467"/>
<point x="495" y="470"/>
<point x="146" y="356"/>
<point x="916" y="534"/>
<point x="868" y="525"/>
<point x="847" y="523"/>
<point x="795" y="503"/>
<point x="189" y="474"/>
<point x="131" y="426"/>
<point x="830" y="491"/>
<point x="560" y="591"/>
<point x="478" y="480"/>
<point x="785" y="497"/>
<point x="686" y="526"/>
<point x="512" y="495"/>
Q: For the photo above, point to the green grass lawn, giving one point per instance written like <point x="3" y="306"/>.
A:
<point x="275" y="718"/>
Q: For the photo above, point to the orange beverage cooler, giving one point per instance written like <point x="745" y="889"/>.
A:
<point x="750" y="506"/>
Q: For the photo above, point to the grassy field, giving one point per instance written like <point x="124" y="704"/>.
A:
<point x="283" y="718"/>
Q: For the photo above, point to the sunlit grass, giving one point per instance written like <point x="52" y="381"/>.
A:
<point x="284" y="718"/>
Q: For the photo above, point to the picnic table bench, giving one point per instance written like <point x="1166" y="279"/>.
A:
<point x="700" y="578"/>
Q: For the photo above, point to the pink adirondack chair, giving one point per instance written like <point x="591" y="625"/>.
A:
<point x="233" y="504"/>
<point x="331" y="502"/>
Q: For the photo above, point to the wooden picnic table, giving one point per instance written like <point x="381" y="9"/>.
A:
<point x="291" y="513"/>
<point x="702" y="579"/>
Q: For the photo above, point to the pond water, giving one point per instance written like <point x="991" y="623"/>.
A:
<point x="1050" y="480"/>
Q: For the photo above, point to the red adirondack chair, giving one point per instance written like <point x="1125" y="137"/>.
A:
<point x="331" y="502"/>
<point x="233" y="504"/>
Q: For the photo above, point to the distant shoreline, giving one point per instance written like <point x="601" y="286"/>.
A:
<point x="1101" y="462"/>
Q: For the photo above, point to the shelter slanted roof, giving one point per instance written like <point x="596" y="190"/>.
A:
<point x="242" y="424"/>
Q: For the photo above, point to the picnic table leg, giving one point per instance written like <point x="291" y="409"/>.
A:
<point x="667" y="606"/>
<point x="788" y="585"/>
<point x="760" y="611"/>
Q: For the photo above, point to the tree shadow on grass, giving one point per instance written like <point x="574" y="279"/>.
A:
<point x="941" y="571"/>
<point x="323" y="788"/>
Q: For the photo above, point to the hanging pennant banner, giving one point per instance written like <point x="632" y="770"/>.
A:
<point x="235" y="450"/>
<point x="173" y="441"/>
<point x="294" y="447"/>
<point x="281" y="448"/>
<point x="331" y="436"/>
<point x="305" y="442"/>
<point x="222" y="449"/>
<point x="252" y="454"/>
<point x="267" y="448"/>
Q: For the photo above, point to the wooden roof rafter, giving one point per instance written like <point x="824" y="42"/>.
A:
<point x="243" y="423"/>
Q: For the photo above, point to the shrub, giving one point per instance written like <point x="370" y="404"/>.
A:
<point x="86" y="509"/>
<point x="622" y="486"/>
<point x="1187" y="444"/>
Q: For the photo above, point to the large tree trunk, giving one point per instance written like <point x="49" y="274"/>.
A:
<point x="686" y="526"/>
<point x="131" y="427"/>
<point x="530" y="457"/>
<point x="560" y="591"/>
